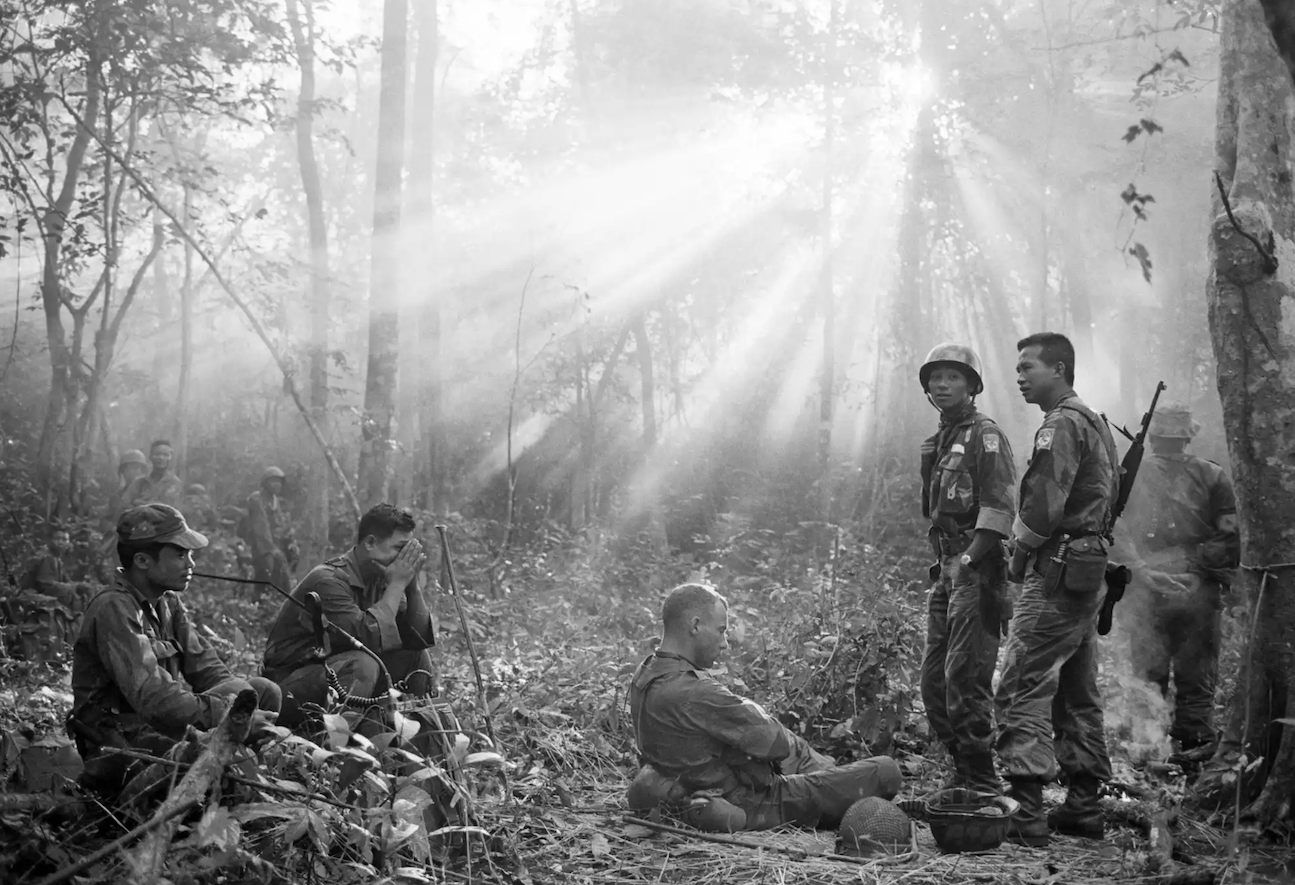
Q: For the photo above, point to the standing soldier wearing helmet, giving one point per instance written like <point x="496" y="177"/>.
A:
<point x="1049" y="705"/>
<point x="968" y="491"/>
<point x="1182" y="546"/>
<point x="132" y="466"/>
<point x="268" y="532"/>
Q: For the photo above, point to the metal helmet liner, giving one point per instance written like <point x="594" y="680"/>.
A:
<point x="134" y="456"/>
<point x="957" y="356"/>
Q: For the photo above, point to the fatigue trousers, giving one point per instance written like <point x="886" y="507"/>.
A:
<point x="958" y="667"/>
<point x="357" y="672"/>
<point x="813" y="791"/>
<point x="106" y="771"/>
<point x="1177" y="638"/>
<point x="1049" y="687"/>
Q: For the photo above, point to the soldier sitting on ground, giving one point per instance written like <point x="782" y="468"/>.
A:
<point x="141" y="671"/>
<point x="48" y="574"/>
<point x="373" y="593"/>
<point x="719" y="760"/>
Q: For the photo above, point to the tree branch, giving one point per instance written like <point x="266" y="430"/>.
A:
<point x="1270" y="260"/>
<point x="280" y="360"/>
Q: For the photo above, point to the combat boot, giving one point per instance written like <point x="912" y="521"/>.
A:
<point x="1081" y="815"/>
<point x="1028" y="826"/>
<point x="979" y="774"/>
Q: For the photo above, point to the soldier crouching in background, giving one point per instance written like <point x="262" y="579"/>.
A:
<point x="141" y="671"/>
<point x="719" y="760"/>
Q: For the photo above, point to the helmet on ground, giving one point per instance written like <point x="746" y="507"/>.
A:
<point x="873" y="825"/>
<point x="956" y="356"/>
<point x="134" y="456"/>
<point x="272" y="473"/>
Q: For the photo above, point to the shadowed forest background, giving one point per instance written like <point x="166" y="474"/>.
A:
<point x="625" y="291"/>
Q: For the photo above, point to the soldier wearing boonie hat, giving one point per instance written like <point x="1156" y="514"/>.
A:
<point x="141" y="671"/>
<point x="1183" y="545"/>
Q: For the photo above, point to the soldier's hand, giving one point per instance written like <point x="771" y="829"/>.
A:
<point x="405" y="567"/>
<point x="263" y="729"/>
<point x="1016" y="566"/>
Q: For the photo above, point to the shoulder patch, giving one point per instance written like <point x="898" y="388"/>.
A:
<point x="1043" y="439"/>
<point x="990" y="441"/>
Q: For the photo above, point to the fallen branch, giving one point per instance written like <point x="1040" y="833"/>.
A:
<point x="150" y="857"/>
<point x="1156" y="821"/>
<point x="111" y="847"/>
<point x="790" y="850"/>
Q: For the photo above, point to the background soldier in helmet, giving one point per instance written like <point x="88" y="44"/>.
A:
<point x="161" y="485"/>
<point x="968" y="491"/>
<point x="1182" y="546"/>
<point x="269" y="534"/>
<point x="132" y="466"/>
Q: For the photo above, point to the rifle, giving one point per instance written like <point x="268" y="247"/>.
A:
<point x="1118" y="576"/>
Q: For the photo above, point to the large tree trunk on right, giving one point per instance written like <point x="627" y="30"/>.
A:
<point x="378" y="423"/>
<point x="1250" y="301"/>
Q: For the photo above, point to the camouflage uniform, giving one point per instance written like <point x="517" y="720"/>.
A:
<point x="1181" y="522"/>
<point x="270" y="535"/>
<point x="691" y="729"/>
<point x="353" y="603"/>
<point x="48" y="576"/>
<point x="968" y="483"/>
<point x="141" y="671"/>
<point x="1049" y="680"/>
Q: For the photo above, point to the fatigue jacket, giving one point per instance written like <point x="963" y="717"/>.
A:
<point x="970" y="483"/>
<point x="350" y="601"/>
<point x="138" y="662"/>
<point x="1072" y="479"/>
<point x="690" y="727"/>
<point x="270" y="530"/>
<point x="1174" y="514"/>
<point x="47" y="576"/>
<point x="146" y="490"/>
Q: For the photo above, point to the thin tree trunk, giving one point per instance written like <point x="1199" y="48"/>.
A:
<point x="649" y="494"/>
<point x="1251" y="295"/>
<point x="422" y="207"/>
<point x="52" y="302"/>
<point x="181" y="435"/>
<point x="827" y="380"/>
<point x="380" y="388"/>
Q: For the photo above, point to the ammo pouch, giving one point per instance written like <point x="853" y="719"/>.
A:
<point x="1077" y="565"/>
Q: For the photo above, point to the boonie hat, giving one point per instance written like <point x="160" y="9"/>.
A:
<point x="158" y="524"/>
<point x="1173" y="421"/>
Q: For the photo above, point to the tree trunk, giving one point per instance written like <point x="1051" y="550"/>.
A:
<point x="1251" y="297"/>
<point x="380" y="388"/>
<point x="180" y="437"/>
<point x="422" y="207"/>
<point x="827" y="378"/>
<point x="48" y="469"/>
<point x="649" y="493"/>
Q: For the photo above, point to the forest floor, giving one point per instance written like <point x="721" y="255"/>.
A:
<point x="835" y="656"/>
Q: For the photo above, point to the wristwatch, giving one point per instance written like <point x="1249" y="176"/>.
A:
<point x="966" y="559"/>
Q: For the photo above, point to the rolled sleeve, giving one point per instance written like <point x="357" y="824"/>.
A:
<point x="995" y="520"/>
<point x="1027" y="537"/>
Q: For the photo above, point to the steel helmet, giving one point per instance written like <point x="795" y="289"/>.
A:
<point x="958" y="356"/>
<point x="272" y="473"/>
<point x="134" y="456"/>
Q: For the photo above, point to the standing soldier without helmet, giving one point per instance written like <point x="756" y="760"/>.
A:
<point x="132" y="466"/>
<point x="1063" y="524"/>
<point x="968" y="491"/>
<point x="269" y="534"/>
<point x="1183" y="544"/>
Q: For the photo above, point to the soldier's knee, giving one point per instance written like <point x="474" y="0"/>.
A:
<point x="269" y="695"/>
<point x="889" y="778"/>
<point x="357" y="672"/>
